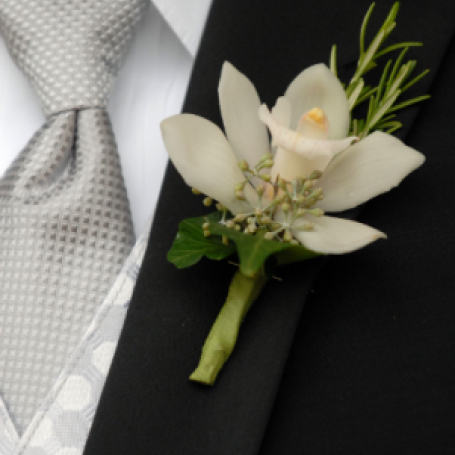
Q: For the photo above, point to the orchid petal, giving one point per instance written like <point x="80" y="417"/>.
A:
<point x="282" y="111"/>
<point x="239" y="103"/>
<point x="317" y="86"/>
<point x="297" y="143"/>
<point x="335" y="235"/>
<point x="371" y="167"/>
<point x="204" y="158"/>
<point x="251" y="196"/>
<point x="288" y="165"/>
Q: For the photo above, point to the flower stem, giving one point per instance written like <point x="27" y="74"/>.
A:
<point x="221" y="340"/>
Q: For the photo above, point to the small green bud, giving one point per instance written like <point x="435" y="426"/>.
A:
<point x="269" y="235"/>
<point x="251" y="220"/>
<point x="252" y="228"/>
<point x="225" y="240"/>
<point x="308" y="185"/>
<point x="301" y="200"/>
<point x="268" y="163"/>
<point x="260" y="190"/>
<point x="316" y="193"/>
<point x="294" y="242"/>
<point x="195" y="191"/>
<point x="265" y="177"/>
<point x="315" y="175"/>
<point x="230" y="224"/>
<point x="239" y="217"/>
<point x="301" y="212"/>
<point x="240" y="186"/>
<point x="281" y="198"/>
<point x="243" y="165"/>
<point x="237" y="227"/>
<point x="287" y="237"/>
<point x="282" y="184"/>
<point x="207" y="233"/>
<point x="205" y="225"/>
<point x="285" y="207"/>
<point x="220" y="207"/>
<point x="317" y="212"/>
<point x="207" y="201"/>
<point x="258" y="211"/>
<point x="267" y="156"/>
<point x="240" y="195"/>
<point x="311" y="201"/>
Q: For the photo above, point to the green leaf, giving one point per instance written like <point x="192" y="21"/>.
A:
<point x="416" y="79"/>
<point x="333" y="60"/>
<point x="190" y="245"/>
<point x="395" y="68"/>
<point x="366" y="96"/>
<point x="385" y="125"/>
<point x="254" y="250"/>
<point x="364" y="28"/>
<point x="382" y="83"/>
<point x="368" y="56"/>
<point x="393" y="129"/>
<point x="355" y="94"/>
<point x="409" y="103"/>
<point x="391" y="17"/>
<point x="369" y="67"/>
<point x="404" y="72"/>
<point x="383" y="109"/>
<point x="394" y="47"/>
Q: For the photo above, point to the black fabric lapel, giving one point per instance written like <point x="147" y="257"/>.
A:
<point x="148" y="406"/>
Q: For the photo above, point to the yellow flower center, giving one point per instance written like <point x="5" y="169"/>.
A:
<point x="314" y="124"/>
<point x="316" y="117"/>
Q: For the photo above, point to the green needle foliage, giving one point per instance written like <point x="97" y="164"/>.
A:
<point x="394" y="81"/>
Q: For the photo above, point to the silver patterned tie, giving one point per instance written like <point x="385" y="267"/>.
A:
<point x="65" y="225"/>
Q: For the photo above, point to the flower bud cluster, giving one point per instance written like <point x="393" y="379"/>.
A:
<point x="280" y="203"/>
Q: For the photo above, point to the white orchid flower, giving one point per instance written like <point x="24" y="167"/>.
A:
<point x="309" y="127"/>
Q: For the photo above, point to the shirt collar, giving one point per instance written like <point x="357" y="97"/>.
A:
<point x="186" y="19"/>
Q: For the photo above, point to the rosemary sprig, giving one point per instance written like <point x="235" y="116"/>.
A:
<point x="382" y="98"/>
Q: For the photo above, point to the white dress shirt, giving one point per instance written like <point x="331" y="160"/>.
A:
<point x="151" y="86"/>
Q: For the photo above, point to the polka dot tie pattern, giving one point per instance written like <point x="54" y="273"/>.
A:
<point x="65" y="224"/>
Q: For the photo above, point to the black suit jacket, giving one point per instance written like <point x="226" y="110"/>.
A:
<point x="354" y="354"/>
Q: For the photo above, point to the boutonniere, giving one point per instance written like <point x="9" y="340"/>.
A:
<point x="272" y="195"/>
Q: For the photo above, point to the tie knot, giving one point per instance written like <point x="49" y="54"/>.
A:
<point x="71" y="50"/>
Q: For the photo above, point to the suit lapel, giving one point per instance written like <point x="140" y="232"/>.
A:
<point x="148" y="405"/>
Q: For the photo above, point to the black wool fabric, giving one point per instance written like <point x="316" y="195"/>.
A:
<point x="351" y="354"/>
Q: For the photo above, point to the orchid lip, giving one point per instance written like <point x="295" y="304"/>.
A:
<point x="297" y="143"/>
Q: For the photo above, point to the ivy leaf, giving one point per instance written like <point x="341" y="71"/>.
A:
<point x="190" y="245"/>
<point x="254" y="250"/>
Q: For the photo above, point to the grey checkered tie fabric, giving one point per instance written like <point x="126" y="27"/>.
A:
<point x="65" y="224"/>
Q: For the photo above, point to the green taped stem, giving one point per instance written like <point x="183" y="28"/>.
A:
<point x="221" y="340"/>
